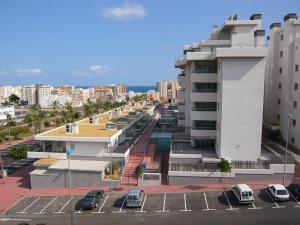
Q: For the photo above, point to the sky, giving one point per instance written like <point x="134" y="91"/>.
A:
<point x="88" y="42"/>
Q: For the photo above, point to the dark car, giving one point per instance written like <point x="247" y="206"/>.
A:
<point x="295" y="189"/>
<point x="90" y="200"/>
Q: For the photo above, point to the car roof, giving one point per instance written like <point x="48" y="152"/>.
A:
<point x="134" y="191"/>
<point x="94" y="192"/>
<point x="244" y="187"/>
<point x="278" y="186"/>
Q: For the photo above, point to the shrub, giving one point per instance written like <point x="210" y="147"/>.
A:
<point x="18" y="152"/>
<point x="224" y="165"/>
<point x="138" y="170"/>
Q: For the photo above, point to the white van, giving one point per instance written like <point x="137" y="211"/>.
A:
<point x="243" y="193"/>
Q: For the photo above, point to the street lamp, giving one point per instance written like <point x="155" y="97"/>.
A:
<point x="289" y="117"/>
<point x="69" y="153"/>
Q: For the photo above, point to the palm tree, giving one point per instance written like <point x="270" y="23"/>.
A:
<point x="87" y="110"/>
<point x="54" y="106"/>
<point x="9" y="123"/>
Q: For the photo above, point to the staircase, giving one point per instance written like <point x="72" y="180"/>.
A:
<point x="136" y="156"/>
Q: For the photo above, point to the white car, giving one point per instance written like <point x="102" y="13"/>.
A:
<point x="279" y="192"/>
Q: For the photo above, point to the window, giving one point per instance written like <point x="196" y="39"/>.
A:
<point x="204" y="87"/>
<point x="205" y="143"/>
<point x="296" y="86"/>
<point x="279" y="86"/>
<point x="280" y="70"/>
<point x="296" y="68"/>
<point x="204" y="106"/>
<point x="205" y="67"/>
<point x="294" y="122"/>
<point x="281" y="54"/>
<point x="278" y="116"/>
<point x="204" y="125"/>
<point x="295" y="104"/>
<point x="279" y="101"/>
<point x="292" y="140"/>
<point x="211" y="49"/>
<point x="281" y="37"/>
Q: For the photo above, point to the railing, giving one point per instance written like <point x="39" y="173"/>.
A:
<point x="204" y="90"/>
<point x="205" y="109"/>
<point x="250" y="164"/>
<point x="204" y="128"/>
<point x="199" y="167"/>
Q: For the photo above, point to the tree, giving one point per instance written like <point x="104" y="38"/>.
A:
<point x="54" y="106"/>
<point x="18" y="152"/>
<point x="87" y="110"/>
<point x="13" y="98"/>
<point x="9" y="124"/>
<point x="139" y="170"/>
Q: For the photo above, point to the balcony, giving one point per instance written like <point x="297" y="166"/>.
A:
<point x="209" y="97"/>
<point x="204" y="77"/>
<point x="180" y="63"/>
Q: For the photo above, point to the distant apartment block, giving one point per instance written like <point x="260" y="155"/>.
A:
<point x="168" y="90"/>
<point x="152" y="96"/>
<point x="62" y="90"/>
<point x="103" y="93"/>
<point x="282" y="93"/>
<point x="6" y="91"/>
<point x="46" y="101"/>
<point x="80" y="96"/>
<point x="28" y="93"/>
<point x="222" y="87"/>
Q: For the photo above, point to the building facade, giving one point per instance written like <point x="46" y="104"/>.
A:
<point x="4" y="110"/>
<point x="168" y="90"/>
<point x="222" y="86"/>
<point x="282" y="79"/>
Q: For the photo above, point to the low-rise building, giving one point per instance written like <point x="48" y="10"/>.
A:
<point x="46" y="101"/>
<point x="94" y="142"/>
<point x="4" y="110"/>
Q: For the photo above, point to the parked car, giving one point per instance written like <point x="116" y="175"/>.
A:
<point x="243" y="193"/>
<point x="295" y="189"/>
<point x="279" y="192"/>
<point x="135" y="197"/>
<point x="90" y="200"/>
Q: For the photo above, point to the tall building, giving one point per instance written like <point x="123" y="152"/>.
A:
<point x="79" y="96"/>
<point x="168" y="90"/>
<point x="29" y="94"/>
<point x="6" y="91"/>
<point x="42" y="91"/>
<point x="282" y="79"/>
<point x="103" y="93"/>
<point x="222" y="88"/>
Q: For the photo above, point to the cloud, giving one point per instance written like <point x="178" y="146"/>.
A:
<point x="28" y="72"/>
<point x="126" y="12"/>
<point x="98" y="69"/>
<point x="3" y="72"/>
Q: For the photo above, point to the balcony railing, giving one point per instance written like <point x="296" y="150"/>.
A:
<point x="198" y="167"/>
<point x="205" y="109"/>
<point x="203" y="128"/>
<point x="205" y="90"/>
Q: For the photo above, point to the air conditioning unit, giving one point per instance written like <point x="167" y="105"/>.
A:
<point x="93" y="120"/>
<point x="72" y="128"/>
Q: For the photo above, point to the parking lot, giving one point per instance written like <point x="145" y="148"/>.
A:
<point x="158" y="203"/>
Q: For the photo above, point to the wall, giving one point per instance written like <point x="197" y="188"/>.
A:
<point x="88" y="148"/>
<point x="241" y="108"/>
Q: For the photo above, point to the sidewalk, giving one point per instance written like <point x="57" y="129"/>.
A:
<point x="17" y="186"/>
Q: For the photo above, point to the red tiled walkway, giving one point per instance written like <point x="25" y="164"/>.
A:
<point x="136" y="156"/>
<point x="4" y="146"/>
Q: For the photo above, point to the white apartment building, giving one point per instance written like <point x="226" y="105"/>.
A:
<point x="6" y="91"/>
<point x="42" y="91"/>
<point x="282" y="94"/>
<point x="46" y="101"/>
<point x="80" y="96"/>
<point x="28" y="93"/>
<point x="222" y="87"/>
<point x="168" y="89"/>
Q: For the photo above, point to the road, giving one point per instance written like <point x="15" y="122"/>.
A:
<point x="287" y="216"/>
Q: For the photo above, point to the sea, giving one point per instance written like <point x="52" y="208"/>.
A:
<point x="137" y="89"/>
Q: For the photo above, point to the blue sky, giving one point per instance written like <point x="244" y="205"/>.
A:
<point x="87" y="42"/>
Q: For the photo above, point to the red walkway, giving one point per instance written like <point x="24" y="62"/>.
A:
<point x="136" y="155"/>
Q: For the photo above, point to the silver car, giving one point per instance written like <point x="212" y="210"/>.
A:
<point x="135" y="197"/>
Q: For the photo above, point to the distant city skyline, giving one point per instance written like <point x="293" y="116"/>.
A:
<point x="84" y="43"/>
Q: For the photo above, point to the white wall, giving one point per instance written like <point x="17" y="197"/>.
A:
<point x="241" y="108"/>
<point x="87" y="148"/>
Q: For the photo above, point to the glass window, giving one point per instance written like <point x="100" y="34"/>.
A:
<point x="295" y="104"/>
<point x="296" y="68"/>
<point x="294" y="122"/>
<point x="292" y="140"/>
<point x="281" y="54"/>
<point x="133" y="197"/>
<point x="281" y="192"/>
<point x="204" y="125"/>
<point x="279" y="101"/>
<point x="280" y="70"/>
<point x="279" y="86"/>
<point x="205" y="67"/>
<point x="296" y="86"/>
<point x="281" y="37"/>
<point x="204" y="87"/>
<point x="204" y="106"/>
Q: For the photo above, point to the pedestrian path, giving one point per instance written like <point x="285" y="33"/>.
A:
<point x="136" y="156"/>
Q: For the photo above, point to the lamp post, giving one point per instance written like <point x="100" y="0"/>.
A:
<point x="69" y="153"/>
<point x="289" y="116"/>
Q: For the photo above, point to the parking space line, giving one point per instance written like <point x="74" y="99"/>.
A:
<point x="99" y="211"/>
<point x="277" y="206"/>
<point x="16" y="203"/>
<point x="31" y="204"/>
<point x="207" y="208"/>
<point x="164" y="205"/>
<point x="295" y="200"/>
<point x="42" y="211"/>
<point x="254" y="207"/>
<point x="185" y="208"/>
<point x="60" y="211"/>
<point x="229" y="202"/>
<point x="143" y="205"/>
<point x="120" y="211"/>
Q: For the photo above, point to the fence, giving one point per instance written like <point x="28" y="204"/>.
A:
<point x="250" y="165"/>
<point x="199" y="167"/>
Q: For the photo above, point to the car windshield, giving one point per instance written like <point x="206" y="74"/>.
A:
<point x="281" y="192"/>
<point x="133" y="197"/>
<point x="246" y="194"/>
<point x="89" y="198"/>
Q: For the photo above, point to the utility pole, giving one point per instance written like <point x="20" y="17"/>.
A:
<point x="289" y="116"/>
